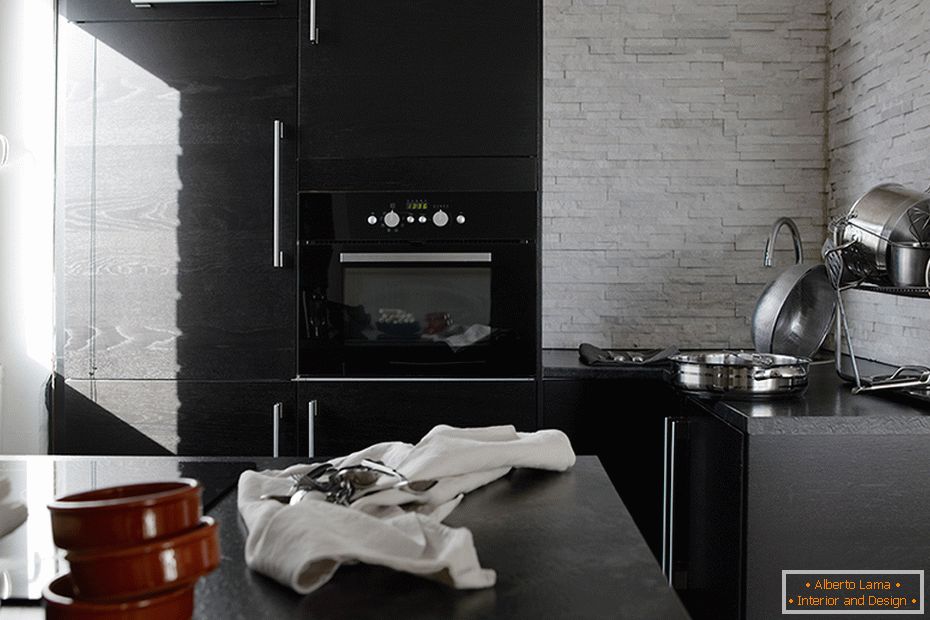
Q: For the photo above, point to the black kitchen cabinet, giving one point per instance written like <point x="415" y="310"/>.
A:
<point x="340" y="417"/>
<point x="418" y="79"/>
<point x="702" y="525"/>
<point x="584" y="408"/>
<point x="125" y="10"/>
<point x="175" y="417"/>
<point x="166" y="182"/>
<point x="746" y="505"/>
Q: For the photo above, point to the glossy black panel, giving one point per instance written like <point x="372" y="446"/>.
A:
<point x="414" y="78"/>
<point x="489" y="174"/>
<point x="468" y="216"/>
<point x="165" y="192"/>
<point x="123" y="10"/>
<point x="351" y="415"/>
<point x="173" y="417"/>
<point x="341" y="335"/>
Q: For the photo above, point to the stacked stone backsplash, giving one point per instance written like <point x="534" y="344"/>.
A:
<point x="879" y="131"/>
<point x="675" y="133"/>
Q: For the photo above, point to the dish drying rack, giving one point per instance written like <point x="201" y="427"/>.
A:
<point x="910" y="380"/>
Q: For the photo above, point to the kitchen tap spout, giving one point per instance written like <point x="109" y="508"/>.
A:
<point x="795" y="236"/>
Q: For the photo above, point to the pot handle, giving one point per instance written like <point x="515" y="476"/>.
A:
<point x="782" y="372"/>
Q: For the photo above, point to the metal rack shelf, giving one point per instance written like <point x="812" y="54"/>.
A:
<point x="901" y="291"/>
<point x="912" y="381"/>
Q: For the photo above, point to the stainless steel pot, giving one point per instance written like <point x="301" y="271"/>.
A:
<point x="909" y="264"/>
<point x="739" y="375"/>
<point x="877" y="218"/>
<point x="794" y="313"/>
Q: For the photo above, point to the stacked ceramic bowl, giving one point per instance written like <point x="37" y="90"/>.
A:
<point x="135" y="551"/>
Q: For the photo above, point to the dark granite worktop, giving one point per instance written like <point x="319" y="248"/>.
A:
<point x="827" y="407"/>
<point x="563" y="545"/>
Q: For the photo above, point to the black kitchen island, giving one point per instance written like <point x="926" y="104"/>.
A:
<point x="563" y="546"/>
<point x="827" y="480"/>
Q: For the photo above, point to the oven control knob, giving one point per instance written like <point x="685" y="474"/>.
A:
<point x="422" y="219"/>
<point x="391" y="219"/>
<point x="460" y="219"/>
<point x="411" y="219"/>
<point x="372" y="220"/>
<point x="440" y="218"/>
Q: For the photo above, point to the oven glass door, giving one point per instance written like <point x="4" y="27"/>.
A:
<point x="409" y="311"/>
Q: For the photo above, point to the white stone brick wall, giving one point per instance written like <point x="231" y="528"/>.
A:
<point x="879" y="131"/>
<point x="676" y="132"/>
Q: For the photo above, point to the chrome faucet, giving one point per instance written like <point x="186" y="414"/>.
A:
<point x="795" y="236"/>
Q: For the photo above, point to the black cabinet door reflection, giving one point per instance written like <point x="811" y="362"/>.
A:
<point x="174" y="417"/>
<point x="166" y="183"/>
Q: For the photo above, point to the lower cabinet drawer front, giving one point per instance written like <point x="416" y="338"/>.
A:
<point x="351" y="415"/>
<point x="187" y="418"/>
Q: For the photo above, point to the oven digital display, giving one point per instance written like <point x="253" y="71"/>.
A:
<point x="417" y="205"/>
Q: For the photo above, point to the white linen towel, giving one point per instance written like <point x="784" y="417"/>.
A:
<point x="12" y="514"/>
<point x="303" y="545"/>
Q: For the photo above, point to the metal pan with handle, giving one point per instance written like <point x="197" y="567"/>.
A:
<point x="739" y="375"/>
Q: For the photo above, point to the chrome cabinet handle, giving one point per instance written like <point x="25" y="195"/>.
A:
<point x="311" y="415"/>
<point x="314" y="32"/>
<point x="278" y="412"/>
<point x="278" y="136"/>
<point x="415" y="257"/>
<point x="668" y="497"/>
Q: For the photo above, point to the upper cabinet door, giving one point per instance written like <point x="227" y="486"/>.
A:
<point x="420" y="78"/>
<point x="167" y="177"/>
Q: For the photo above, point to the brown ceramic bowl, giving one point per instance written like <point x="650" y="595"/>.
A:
<point x="61" y="604"/>
<point x="155" y="566"/>
<point x="125" y="515"/>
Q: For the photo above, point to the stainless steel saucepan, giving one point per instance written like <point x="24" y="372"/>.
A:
<point x="739" y="375"/>
<point x="884" y="215"/>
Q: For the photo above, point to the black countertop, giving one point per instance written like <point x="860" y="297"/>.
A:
<point x="563" y="545"/>
<point x="828" y="407"/>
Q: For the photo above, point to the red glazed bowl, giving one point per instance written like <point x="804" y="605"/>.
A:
<point x="61" y="604"/>
<point x="125" y="515"/>
<point x="140" y="570"/>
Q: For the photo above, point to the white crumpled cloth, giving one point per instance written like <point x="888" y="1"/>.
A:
<point x="303" y="545"/>
<point x="12" y="513"/>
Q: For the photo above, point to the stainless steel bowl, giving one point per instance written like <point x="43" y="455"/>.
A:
<point x="739" y="375"/>
<point x="794" y="313"/>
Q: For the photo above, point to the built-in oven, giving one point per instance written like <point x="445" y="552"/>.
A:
<point x="418" y="284"/>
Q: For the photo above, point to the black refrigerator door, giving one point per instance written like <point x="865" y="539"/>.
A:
<point x="420" y="78"/>
<point x="155" y="10"/>
<point x="166" y="183"/>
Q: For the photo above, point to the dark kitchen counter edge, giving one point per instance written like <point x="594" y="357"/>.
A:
<point x="828" y="407"/>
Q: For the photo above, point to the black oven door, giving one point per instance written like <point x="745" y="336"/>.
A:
<point x="417" y="310"/>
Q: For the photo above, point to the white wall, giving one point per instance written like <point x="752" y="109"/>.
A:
<point x="27" y="118"/>
<point x="675" y="134"/>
